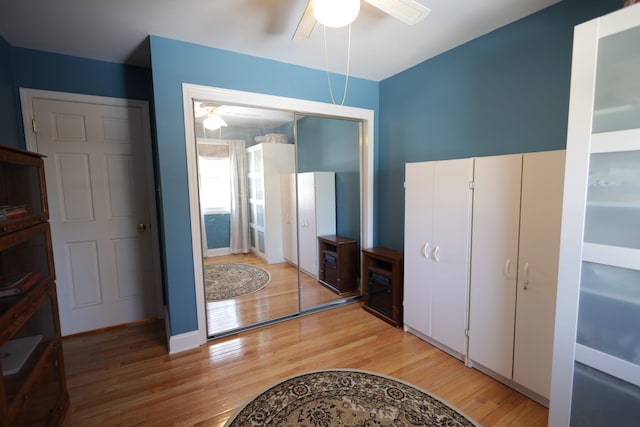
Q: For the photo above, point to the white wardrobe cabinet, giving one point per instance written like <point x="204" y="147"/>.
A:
<point x="266" y="163"/>
<point x="436" y="257"/>
<point x="540" y="218"/>
<point x="289" y="219"/>
<point x="596" y="360"/>
<point x="494" y="270"/>
<point x="516" y="234"/>
<point x="316" y="216"/>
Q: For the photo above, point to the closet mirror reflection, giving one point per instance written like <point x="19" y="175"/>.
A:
<point x="270" y="184"/>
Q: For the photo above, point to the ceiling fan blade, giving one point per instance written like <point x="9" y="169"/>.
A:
<point x="306" y="25"/>
<point x="408" y="11"/>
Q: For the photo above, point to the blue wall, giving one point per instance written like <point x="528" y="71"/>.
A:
<point x="174" y="62"/>
<point x="36" y="69"/>
<point x="9" y="120"/>
<point x="505" y="92"/>
<point x="333" y="145"/>
<point x="218" y="230"/>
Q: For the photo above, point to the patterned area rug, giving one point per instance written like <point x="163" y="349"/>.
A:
<point x="346" y="398"/>
<point x="225" y="281"/>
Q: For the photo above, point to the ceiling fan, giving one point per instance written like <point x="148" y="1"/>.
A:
<point x="408" y="11"/>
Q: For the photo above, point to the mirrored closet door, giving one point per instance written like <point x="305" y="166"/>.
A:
<point x="279" y="199"/>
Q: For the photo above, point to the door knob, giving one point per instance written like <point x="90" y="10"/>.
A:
<point x="142" y="227"/>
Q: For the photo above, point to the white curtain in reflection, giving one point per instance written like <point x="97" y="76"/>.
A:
<point x="239" y="212"/>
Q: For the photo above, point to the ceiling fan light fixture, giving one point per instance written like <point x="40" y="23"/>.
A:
<point x="213" y="122"/>
<point x="336" y="13"/>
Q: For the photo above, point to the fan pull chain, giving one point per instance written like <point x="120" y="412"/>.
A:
<point x="326" y="60"/>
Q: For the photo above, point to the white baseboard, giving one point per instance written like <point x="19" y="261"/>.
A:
<point x="217" y="252"/>
<point x="183" y="342"/>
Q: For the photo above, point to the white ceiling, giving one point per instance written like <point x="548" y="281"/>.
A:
<point x="115" y="30"/>
<point x="240" y="116"/>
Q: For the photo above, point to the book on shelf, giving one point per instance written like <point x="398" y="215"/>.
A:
<point x="18" y="283"/>
<point x="12" y="212"/>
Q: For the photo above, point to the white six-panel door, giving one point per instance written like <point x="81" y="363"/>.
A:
<point x="95" y="173"/>
<point x="494" y="267"/>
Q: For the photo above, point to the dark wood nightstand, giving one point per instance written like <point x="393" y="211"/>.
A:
<point x="383" y="270"/>
<point x="338" y="263"/>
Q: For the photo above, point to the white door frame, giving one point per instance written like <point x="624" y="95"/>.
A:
<point x="191" y="92"/>
<point x="27" y="96"/>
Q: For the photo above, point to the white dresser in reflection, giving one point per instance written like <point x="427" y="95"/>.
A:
<point x="313" y="214"/>
<point x="596" y="364"/>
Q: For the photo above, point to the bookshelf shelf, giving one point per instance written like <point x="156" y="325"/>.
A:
<point x="33" y="386"/>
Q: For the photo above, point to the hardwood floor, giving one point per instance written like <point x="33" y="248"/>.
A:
<point x="124" y="376"/>
<point x="278" y="299"/>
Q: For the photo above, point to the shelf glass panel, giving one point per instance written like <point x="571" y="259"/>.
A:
<point x="261" y="241"/>
<point x="260" y="214"/>
<point x="22" y="197"/>
<point x="613" y="199"/>
<point x="44" y="396"/>
<point x="259" y="188"/>
<point x="250" y="164"/>
<point x="23" y="350"/>
<point x="602" y="400"/>
<point x="258" y="160"/>
<point x="252" y="213"/>
<point x="609" y="311"/>
<point x="252" y="186"/>
<point x="24" y="263"/>
<point x="617" y="92"/>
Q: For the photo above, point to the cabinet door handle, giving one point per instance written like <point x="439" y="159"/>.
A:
<point x="507" y="268"/>
<point x="436" y="254"/>
<point x="425" y="250"/>
<point x="526" y="276"/>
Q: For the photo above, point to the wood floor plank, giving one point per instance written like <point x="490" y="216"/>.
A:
<point x="124" y="376"/>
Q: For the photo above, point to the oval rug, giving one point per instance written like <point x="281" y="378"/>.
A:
<point x="347" y="398"/>
<point x="225" y="281"/>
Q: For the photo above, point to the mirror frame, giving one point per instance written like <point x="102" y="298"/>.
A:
<point x="250" y="99"/>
